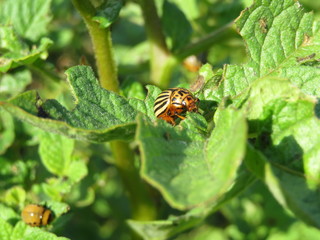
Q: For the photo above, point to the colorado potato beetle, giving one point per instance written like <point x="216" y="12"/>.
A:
<point x="36" y="215"/>
<point x="173" y="102"/>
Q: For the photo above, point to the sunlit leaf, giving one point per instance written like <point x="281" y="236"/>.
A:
<point x="185" y="166"/>
<point x="55" y="151"/>
<point x="15" y="52"/>
<point x="29" y="18"/>
<point x="99" y="115"/>
<point x="108" y="13"/>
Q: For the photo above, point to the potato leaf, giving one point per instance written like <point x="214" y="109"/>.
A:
<point x="16" y="52"/>
<point x="185" y="166"/>
<point x="99" y="115"/>
<point x="108" y="13"/>
<point x="29" y="18"/>
<point x="282" y="41"/>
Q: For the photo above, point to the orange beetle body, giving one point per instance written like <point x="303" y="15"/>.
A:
<point x="36" y="215"/>
<point x="173" y="102"/>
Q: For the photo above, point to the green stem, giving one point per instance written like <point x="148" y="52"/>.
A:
<point x="102" y="46"/>
<point x="159" y="53"/>
<point x="142" y="205"/>
<point x="166" y="73"/>
<point x="205" y="42"/>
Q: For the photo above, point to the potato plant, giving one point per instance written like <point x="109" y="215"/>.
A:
<point x="79" y="136"/>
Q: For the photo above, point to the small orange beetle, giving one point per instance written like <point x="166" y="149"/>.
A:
<point x="174" y="101"/>
<point x="36" y="215"/>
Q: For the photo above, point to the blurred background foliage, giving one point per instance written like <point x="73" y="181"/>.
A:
<point x="99" y="207"/>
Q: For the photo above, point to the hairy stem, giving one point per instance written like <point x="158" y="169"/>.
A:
<point x="141" y="203"/>
<point x="102" y="46"/>
<point x="159" y="53"/>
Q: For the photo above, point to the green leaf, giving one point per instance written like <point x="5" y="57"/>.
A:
<point x="295" y="138"/>
<point x="10" y="41"/>
<point x="15" y="196"/>
<point x="108" y="13"/>
<point x="186" y="167"/>
<point x="77" y="170"/>
<point x="14" y="83"/>
<point x="5" y="229"/>
<point x="276" y="38"/>
<point x="146" y="106"/>
<point x="6" y="130"/>
<point x="16" y="53"/>
<point x="99" y="115"/>
<point x="286" y="121"/>
<point x="14" y="172"/>
<point x="292" y="192"/>
<point x="58" y="208"/>
<point x="25" y="232"/>
<point x="55" y="188"/>
<point x="271" y="86"/>
<point x="176" y="26"/>
<point x="7" y="213"/>
<point x="87" y="199"/>
<point x="263" y="94"/>
<point x="277" y="47"/>
<point x="28" y="17"/>
<point x="133" y="89"/>
<point x="96" y="107"/>
<point x="255" y="162"/>
<point x="161" y="230"/>
<point x="165" y="229"/>
<point x="56" y="153"/>
<point x="190" y="7"/>
<point x="294" y="122"/>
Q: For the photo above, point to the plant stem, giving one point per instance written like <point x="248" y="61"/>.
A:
<point x="204" y="43"/>
<point x="159" y="52"/>
<point x="102" y="46"/>
<point x="142" y="205"/>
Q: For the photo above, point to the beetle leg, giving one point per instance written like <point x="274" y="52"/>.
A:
<point x="181" y="117"/>
<point x="168" y="119"/>
<point x="173" y="123"/>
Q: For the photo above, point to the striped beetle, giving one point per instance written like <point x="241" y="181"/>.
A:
<point x="174" y="101"/>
